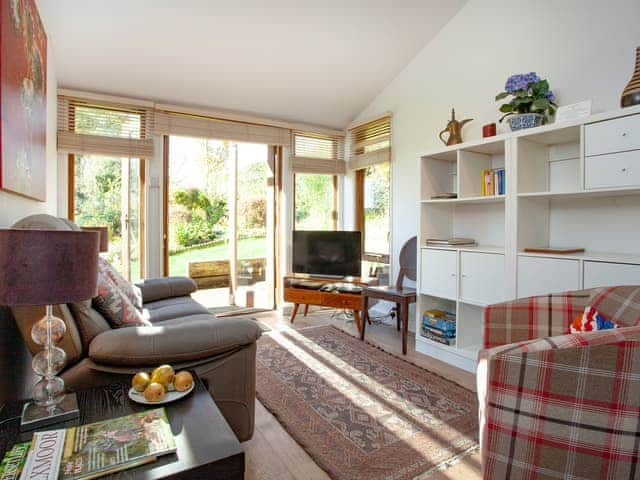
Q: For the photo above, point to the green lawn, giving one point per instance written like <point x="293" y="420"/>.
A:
<point x="247" y="248"/>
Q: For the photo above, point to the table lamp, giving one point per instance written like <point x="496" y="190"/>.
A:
<point x="104" y="236"/>
<point x="48" y="267"/>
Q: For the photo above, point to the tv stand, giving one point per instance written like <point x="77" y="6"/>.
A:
<point x="307" y="295"/>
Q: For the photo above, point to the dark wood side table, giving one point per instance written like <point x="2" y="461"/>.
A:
<point x="206" y="445"/>
<point x="401" y="296"/>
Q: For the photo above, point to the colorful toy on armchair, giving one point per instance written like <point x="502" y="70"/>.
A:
<point x="591" y="320"/>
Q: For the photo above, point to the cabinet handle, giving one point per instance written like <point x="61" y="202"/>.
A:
<point x="453" y="274"/>
<point x="624" y="134"/>
<point x="624" y="169"/>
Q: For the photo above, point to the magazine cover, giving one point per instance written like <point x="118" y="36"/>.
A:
<point x="43" y="459"/>
<point x="105" y="447"/>
<point x="14" y="461"/>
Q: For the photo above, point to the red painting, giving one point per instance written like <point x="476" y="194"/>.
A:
<point x="23" y="99"/>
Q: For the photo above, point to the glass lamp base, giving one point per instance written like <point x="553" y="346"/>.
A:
<point x="35" y="416"/>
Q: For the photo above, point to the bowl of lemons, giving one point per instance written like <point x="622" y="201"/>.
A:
<point x="162" y="385"/>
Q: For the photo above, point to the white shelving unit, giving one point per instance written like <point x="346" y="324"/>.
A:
<point x="575" y="184"/>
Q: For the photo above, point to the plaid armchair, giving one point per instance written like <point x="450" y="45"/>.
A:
<point x="558" y="405"/>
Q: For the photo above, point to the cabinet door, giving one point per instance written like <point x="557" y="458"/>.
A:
<point x="539" y="276"/>
<point x="482" y="277"/>
<point x="438" y="274"/>
<point x="603" y="274"/>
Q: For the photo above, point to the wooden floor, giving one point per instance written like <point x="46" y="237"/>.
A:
<point x="272" y="454"/>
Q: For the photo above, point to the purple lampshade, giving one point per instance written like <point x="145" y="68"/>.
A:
<point x="47" y="267"/>
<point x="104" y="236"/>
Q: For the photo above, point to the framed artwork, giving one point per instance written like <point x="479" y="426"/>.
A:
<point x="23" y="99"/>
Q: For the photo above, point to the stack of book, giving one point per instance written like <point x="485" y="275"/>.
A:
<point x="493" y="182"/>
<point x="450" y="242"/>
<point x="439" y="326"/>
<point x="91" y="451"/>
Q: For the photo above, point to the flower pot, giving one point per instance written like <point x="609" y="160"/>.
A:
<point x="525" y="120"/>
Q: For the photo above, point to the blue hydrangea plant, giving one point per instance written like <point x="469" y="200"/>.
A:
<point x="530" y="95"/>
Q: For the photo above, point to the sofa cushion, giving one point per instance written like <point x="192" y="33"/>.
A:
<point x="115" y="306"/>
<point x="178" y="340"/>
<point x="170" y="308"/>
<point x="90" y="322"/>
<point x="168" y="287"/>
<point x="129" y="289"/>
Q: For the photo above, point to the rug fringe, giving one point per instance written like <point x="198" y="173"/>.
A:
<point x="447" y="463"/>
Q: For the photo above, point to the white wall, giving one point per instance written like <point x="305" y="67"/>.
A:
<point x="586" y="48"/>
<point x="14" y="207"/>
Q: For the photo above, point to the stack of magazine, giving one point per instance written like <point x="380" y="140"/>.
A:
<point x="450" y="242"/>
<point x="91" y="451"/>
<point x="439" y="326"/>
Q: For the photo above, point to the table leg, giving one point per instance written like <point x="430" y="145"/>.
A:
<point x="365" y="315"/>
<point x="306" y="309"/>
<point x="356" y="318"/>
<point x="295" y="311"/>
<point x="398" y="316"/>
<point x="405" y="326"/>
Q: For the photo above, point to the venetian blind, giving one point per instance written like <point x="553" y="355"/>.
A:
<point x="315" y="153"/>
<point x="173" y="123"/>
<point x="89" y="127"/>
<point x="370" y="143"/>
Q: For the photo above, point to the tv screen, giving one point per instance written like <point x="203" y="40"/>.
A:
<point x="327" y="253"/>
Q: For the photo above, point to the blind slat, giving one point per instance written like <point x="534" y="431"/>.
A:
<point x="314" y="153"/>
<point x="370" y="143"/>
<point x="89" y="127"/>
<point x="79" y="143"/>
<point x="318" y="165"/>
<point x="167" y="123"/>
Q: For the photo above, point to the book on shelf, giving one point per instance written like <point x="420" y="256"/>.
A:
<point x="445" y="322"/>
<point x="492" y="182"/>
<point x="439" y="332"/>
<point x="100" y="448"/>
<point x="443" y="340"/>
<point x="450" y="241"/>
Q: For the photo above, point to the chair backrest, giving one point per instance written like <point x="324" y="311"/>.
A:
<point x="408" y="261"/>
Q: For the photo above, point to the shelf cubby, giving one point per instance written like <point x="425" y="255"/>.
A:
<point x="549" y="162"/>
<point x="471" y="162"/>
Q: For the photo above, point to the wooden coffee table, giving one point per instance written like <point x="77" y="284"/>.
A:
<point x="206" y="445"/>
<point x="305" y="296"/>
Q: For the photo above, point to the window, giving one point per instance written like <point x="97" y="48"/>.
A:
<point x="106" y="173"/>
<point x="315" y="201"/>
<point x="370" y="157"/>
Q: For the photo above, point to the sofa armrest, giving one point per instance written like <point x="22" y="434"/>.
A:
<point x="533" y="317"/>
<point x="180" y="340"/>
<point x="550" y="398"/>
<point x="168" y="287"/>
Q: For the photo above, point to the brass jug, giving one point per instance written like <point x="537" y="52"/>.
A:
<point x="454" y="128"/>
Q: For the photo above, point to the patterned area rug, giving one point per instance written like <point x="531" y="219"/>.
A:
<point x="360" y="412"/>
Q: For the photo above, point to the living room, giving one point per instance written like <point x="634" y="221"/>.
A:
<point x="311" y="240"/>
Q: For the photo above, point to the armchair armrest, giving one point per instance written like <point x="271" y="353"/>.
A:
<point x="160" y="288"/>
<point x="181" y="340"/>
<point x="556" y="406"/>
<point x="533" y="317"/>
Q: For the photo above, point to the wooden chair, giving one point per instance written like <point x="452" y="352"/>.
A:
<point x="400" y="295"/>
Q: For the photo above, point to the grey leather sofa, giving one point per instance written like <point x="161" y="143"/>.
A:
<point x="222" y="351"/>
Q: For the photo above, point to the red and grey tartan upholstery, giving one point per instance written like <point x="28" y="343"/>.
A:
<point x="564" y="406"/>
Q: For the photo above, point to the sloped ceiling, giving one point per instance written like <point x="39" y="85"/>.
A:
<point x="314" y="62"/>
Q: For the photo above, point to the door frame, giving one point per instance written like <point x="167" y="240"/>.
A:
<point x="274" y="197"/>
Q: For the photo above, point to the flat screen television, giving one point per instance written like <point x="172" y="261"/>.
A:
<point x="336" y="254"/>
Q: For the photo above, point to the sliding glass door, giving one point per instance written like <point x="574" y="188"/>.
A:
<point x="217" y="228"/>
